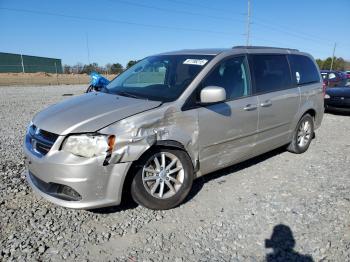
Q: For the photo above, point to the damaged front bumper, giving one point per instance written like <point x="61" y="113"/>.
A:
<point x="75" y="182"/>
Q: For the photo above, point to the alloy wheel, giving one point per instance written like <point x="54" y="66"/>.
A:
<point x="304" y="133"/>
<point x="163" y="175"/>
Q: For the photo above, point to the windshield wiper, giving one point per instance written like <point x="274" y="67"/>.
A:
<point x="124" y="93"/>
<point x="105" y="90"/>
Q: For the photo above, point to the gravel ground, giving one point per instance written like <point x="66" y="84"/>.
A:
<point x="301" y="203"/>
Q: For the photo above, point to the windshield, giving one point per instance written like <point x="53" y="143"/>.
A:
<point x="160" y="78"/>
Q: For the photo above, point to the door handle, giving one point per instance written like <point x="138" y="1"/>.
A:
<point x="266" y="103"/>
<point x="250" y="107"/>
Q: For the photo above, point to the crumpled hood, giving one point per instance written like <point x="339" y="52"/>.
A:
<point x="89" y="113"/>
<point x="338" y="91"/>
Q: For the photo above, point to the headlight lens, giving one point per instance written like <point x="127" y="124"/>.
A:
<point x="89" y="145"/>
<point x="326" y="96"/>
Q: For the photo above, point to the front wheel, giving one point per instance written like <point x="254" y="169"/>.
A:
<point x="303" y="135"/>
<point x="163" y="179"/>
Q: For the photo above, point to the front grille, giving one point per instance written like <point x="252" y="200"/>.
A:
<point x="48" y="135"/>
<point x="40" y="141"/>
<point x="42" y="148"/>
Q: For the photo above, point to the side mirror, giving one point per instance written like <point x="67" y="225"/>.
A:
<point x="212" y="94"/>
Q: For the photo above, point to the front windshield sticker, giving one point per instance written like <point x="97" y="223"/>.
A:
<point x="200" y="62"/>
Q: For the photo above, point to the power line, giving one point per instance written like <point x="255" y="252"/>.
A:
<point x="176" y="11"/>
<point x="105" y="20"/>
<point x="204" y="6"/>
<point x="248" y="23"/>
<point x="267" y="42"/>
<point x="289" y="29"/>
<point x="289" y="32"/>
<point x="264" y="22"/>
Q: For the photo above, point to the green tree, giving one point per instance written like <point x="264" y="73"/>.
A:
<point x="338" y="64"/>
<point x="327" y="64"/>
<point x="131" y="63"/>
<point x="116" y="68"/>
<point x="347" y="65"/>
<point x="87" y="69"/>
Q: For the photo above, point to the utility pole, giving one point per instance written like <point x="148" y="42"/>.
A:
<point x="335" y="45"/>
<point x="56" y="74"/>
<point x="22" y="63"/>
<point x="248" y="24"/>
<point x="87" y="48"/>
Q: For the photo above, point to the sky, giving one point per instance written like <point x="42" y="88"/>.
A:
<point x="116" y="31"/>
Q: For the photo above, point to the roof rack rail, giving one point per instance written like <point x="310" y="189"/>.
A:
<point x="263" y="47"/>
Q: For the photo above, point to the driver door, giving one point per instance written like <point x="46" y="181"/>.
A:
<point x="227" y="130"/>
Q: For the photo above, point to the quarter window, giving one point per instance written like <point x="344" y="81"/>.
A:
<point x="304" y="70"/>
<point x="271" y="73"/>
<point x="232" y="75"/>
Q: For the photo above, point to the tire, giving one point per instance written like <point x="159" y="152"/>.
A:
<point x="150" y="186"/>
<point x="303" y="135"/>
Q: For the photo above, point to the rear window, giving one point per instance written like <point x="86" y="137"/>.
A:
<point x="270" y="72"/>
<point x="304" y="71"/>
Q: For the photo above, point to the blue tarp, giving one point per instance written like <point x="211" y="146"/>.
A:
<point x="96" y="80"/>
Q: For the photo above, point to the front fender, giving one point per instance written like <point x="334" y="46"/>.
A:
<point x="136" y="134"/>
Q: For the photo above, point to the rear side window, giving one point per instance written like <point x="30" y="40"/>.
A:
<point x="271" y="73"/>
<point x="304" y="70"/>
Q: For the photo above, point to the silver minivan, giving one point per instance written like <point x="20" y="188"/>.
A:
<point x="169" y="119"/>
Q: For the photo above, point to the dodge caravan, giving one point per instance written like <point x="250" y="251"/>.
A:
<point x="169" y="119"/>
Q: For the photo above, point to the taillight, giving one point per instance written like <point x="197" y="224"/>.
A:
<point x="324" y="89"/>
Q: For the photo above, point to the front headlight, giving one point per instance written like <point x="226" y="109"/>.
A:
<point x="89" y="145"/>
<point x="326" y="96"/>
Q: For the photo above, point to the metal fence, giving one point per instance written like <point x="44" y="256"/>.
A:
<point x="18" y="63"/>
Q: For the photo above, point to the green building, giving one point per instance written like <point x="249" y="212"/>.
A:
<point x="15" y="63"/>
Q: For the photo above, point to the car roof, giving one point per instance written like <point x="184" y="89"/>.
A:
<point x="235" y="49"/>
<point x="203" y="51"/>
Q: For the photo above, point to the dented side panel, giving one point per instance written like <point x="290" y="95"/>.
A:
<point x="136" y="134"/>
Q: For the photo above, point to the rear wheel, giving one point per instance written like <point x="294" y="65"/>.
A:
<point x="302" y="135"/>
<point x="163" y="179"/>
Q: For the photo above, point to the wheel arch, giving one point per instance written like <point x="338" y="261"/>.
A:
<point x="170" y="144"/>
<point x="308" y="108"/>
<point x="311" y="112"/>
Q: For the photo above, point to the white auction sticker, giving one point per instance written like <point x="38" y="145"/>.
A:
<point x="297" y="74"/>
<point x="200" y="62"/>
